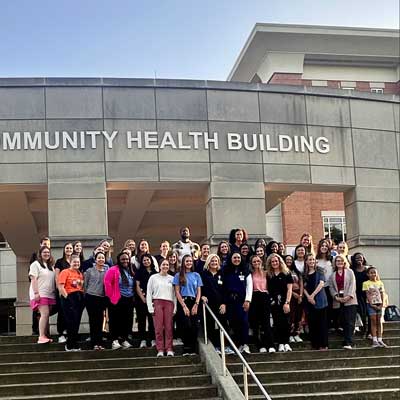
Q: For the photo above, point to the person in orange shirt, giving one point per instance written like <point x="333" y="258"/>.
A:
<point x="70" y="286"/>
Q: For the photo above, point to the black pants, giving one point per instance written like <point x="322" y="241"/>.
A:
<point x="121" y="318"/>
<point x="35" y="322"/>
<point x="72" y="308"/>
<point x="61" y="324"/>
<point x="331" y="315"/>
<point x="238" y="319"/>
<point x="143" y="316"/>
<point x="95" y="306"/>
<point x="212" y="330"/>
<point x="362" y="310"/>
<point x="348" y="317"/>
<point x="188" y="326"/>
<point x="259" y="317"/>
<point x="318" y="326"/>
<point x="281" y="324"/>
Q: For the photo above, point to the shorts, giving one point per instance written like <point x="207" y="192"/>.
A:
<point x="372" y="311"/>
<point x="43" y="301"/>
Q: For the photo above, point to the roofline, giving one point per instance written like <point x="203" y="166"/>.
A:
<point x="310" y="29"/>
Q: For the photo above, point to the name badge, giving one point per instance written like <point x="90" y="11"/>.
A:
<point x="241" y="277"/>
<point x="219" y="282"/>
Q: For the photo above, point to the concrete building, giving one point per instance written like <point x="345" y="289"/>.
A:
<point x="352" y="59"/>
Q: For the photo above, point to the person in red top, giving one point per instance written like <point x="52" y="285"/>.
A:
<point x="70" y="286"/>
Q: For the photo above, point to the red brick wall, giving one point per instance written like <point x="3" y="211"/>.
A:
<point x="301" y="212"/>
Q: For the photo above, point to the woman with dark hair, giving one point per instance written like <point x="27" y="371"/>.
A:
<point x="78" y="249"/>
<point x="188" y="292"/>
<point x="260" y="252"/>
<point x="359" y="267"/>
<point x="90" y="262"/>
<point x="119" y="286"/>
<point x="238" y="289"/>
<point x="42" y="291"/>
<point x="281" y="249"/>
<point x="61" y="264"/>
<point x="223" y="253"/>
<point x="299" y="256"/>
<point x="272" y="248"/>
<point x="261" y="242"/>
<point x="146" y="270"/>
<point x="70" y="286"/>
<point x="246" y="253"/>
<point x="236" y="238"/>
<point x="143" y="248"/>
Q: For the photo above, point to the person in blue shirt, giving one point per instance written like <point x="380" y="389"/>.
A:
<point x="188" y="292"/>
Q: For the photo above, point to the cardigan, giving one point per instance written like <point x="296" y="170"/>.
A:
<point x="349" y="288"/>
<point x="111" y="284"/>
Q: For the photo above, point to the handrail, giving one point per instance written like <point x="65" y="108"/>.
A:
<point x="246" y="366"/>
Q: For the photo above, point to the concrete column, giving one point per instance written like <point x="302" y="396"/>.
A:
<point x="373" y="228"/>
<point x="23" y="312"/>
<point x="235" y="205"/>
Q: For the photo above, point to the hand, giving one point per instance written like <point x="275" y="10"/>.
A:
<point x="194" y="309"/>
<point x="37" y="296"/>
<point x="286" y="308"/>
<point x="295" y="295"/>
<point x="300" y="299"/>
<point x="204" y="298"/>
<point x="222" y="309"/>
<point x="186" y="311"/>
<point x="312" y="300"/>
<point x="65" y="295"/>
<point x="246" y="306"/>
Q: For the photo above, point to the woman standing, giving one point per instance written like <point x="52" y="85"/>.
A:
<point x="70" y="286"/>
<point x="342" y="286"/>
<point x="188" y="292"/>
<point x="236" y="238"/>
<point x="260" y="308"/>
<point x="299" y="257"/>
<point x="131" y="245"/>
<point x="42" y="291"/>
<point x="306" y="240"/>
<point x="238" y="289"/>
<point x="173" y="262"/>
<point x="95" y="300"/>
<point x="223" y="253"/>
<point x="280" y="283"/>
<point x="316" y="304"/>
<point x="143" y="248"/>
<point x="245" y="252"/>
<point x="260" y="252"/>
<point x="146" y="270"/>
<point x="272" y="248"/>
<point x="119" y="286"/>
<point x="78" y="249"/>
<point x="161" y="303"/>
<point x="213" y="295"/>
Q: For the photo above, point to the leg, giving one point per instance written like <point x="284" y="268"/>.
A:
<point x="44" y="320"/>
<point x="158" y="324"/>
<point x="113" y="321"/>
<point x="323" y="327"/>
<point x="349" y="314"/>
<point x="126" y="317"/>
<point x="141" y="309"/>
<point x="168" y="315"/>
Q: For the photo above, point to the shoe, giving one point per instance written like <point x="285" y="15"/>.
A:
<point x="228" y="350"/>
<point x="287" y="347"/>
<point x="375" y="344"/>
<point x="97" y="347"/>
<point x="125" y="344"/>
<point x="244" y="349"/>
<point x="143" y="344"/>
<point x="291" y="339"/>
<point x="177" y="342"/>
<point x="43" y="340"/>
<point x="271" y="350"/>
<point x="115" y="345"/>
<point x="263" y="350"/>
<point x="281" y="348"/>
<point x="170" y="353"/>
<point x="67" y="349"/>
<point x="297" y="339"/>
<point x="218" y="350"/>
<point x="62" y="339"/>
<point x="382" y="343"/>
<point x="153" y="343"/>
<point x="78" y="349"/>
<point x="348" y="347"/>
<point x="185" y="354"/>
<point x="369" y="336"/>
<point x="160" y="354"/>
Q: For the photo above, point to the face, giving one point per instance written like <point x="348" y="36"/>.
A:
<point x="100" y="260"/>
<point x="164" y="267"/>
<point x="236" y="259"/>
<point x="75" y="263"/>
<point x="275" y="263"/>
<point x="288" y="261"/>
<point x="372" y="274"/>
<point x="341" y="248"/>
<point x="106" y="246"/>
<point x="239" y="235"/>
<point x="311" y="261"/>
<point x="131" y="245"/>
<point x="261" y="242"/>
<point x="144" y="246"/>
<point x="99" y="249"/>
<point x="339" y="263"/>
<point x="68" y="249"/>
<point x="128" y="252"/>
<point x="164" y="247"/>
<point x="301" y="252"/>
<point x="324" y="248"/>
<point x="205" y="250"/>
<point x="146" y="261"/>
<point x="223" y="248"/>
<point x="172" y="258"/>
<point x="274" y="248"/>
<point x="256" y="262"/>
<point x="45" y="254"/>
<point x="260" y="251"/>
<point x="214" y="264"/>
<point x="281" y="248"/>
<point x="78" y="247"/>
<point x="185" y="233"/>
<point x="188" y="263"/>
<point x="359" y="259"/>
<point x="124" y="260"/>
<point x="245" y="250"/>
<point x="45" y="243"/>
<point x="305" y="241"/>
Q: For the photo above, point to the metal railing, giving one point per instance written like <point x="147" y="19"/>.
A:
<point x="246" y="367"/>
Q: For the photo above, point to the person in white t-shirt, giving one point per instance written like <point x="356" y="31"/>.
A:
<point x="185" y="246"/>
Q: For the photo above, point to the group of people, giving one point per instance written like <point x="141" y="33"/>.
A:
<point x="258" y="289"/>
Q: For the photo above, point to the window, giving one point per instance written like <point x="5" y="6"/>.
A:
<point x="335" y="228"/>
<point x="347" y="88"/>
<point x="377" y="90"/>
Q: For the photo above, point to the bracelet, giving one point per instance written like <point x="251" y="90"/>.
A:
<point x="36" y="293"/>
<point x="196" y="303"/>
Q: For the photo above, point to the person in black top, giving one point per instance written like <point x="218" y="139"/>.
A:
<point x="199" y="264"/>
<point x="146" y="269"/>
<point x="223" y="253"/>
<point x="164" y="250"/>
<point x="280" y="284"/>
<point x="236" y="238"/>
<point x="213" y="295"/>
<point x="91" y="262"/>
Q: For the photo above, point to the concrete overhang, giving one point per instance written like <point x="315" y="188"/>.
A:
<point x="323" y="44"/>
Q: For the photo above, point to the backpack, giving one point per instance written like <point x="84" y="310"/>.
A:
<point x="392" y="313"/>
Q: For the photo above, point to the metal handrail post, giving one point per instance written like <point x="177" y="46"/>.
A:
<point x="205" y="323"/>
<point x="245" y="383"/>
<point x="223" y="355"/>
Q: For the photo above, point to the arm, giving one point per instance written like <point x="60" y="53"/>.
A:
<point x="180" y="300"/>
<point x="301" y="284"/>
<point x="196" y="304"/>
<point x="352" y="286"/>
<point x="286" y="306"/>
<point x="61" y="285"/>
<point x="149" y="295"/>
<point x="35" y="287"/>
<point x="139" y="292"/>
<point x="249" y="293"/>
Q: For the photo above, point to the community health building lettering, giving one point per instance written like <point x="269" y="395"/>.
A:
<point x="11" y="141"/>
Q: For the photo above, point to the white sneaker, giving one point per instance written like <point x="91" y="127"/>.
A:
<point x="292" y="339"/>
<point x="160" y="354"/>
<point x="228" y="350"/>
<point x="263" y="350"/>
<point x="244" y="349"/>
<point x="297" y="339"/>
<point x="348" y="347"/>
<point x="271" y="350"/>
<point x="375" y="344"/>
<point x="153" y="343"/>
<point x="287" y="347"/>
<point x="218" y="350"/>
<point x="143" y="344"/>
<point x="62" y="339"/>
<point x="170" y="353"/>
<point x="115" y="345"/>
<point x="382" y="343"/>
<point x="125" y="344"/>
<point x="281" y="347"/>
<point x="177" y="342"/>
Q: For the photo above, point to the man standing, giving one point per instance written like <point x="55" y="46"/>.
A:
<point x="185" y="245"/>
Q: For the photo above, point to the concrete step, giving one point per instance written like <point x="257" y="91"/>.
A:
<point x="328" y="373"/>
<point x="101" y="373"/>
<point x="334" y="385"/>
<point x="98" y="385"/>
<point x="320" y="364"/>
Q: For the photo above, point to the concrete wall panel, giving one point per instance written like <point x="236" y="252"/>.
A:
<point x="236" y="172"/>
<point x="341" y="176"/>
<point x="188" y="172"/>
<point x="22" y="103"/>
<point x="328" y="111"/>
<point x="372" y="115"/>
<point x="23" y="173"/>
<point x="282" y="108"/>
<point x="287" y="173"/>
<point x="131" y="171"/>
<point x="79" y="172"/>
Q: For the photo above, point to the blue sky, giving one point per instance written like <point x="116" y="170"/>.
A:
<point x="169" y="38"/>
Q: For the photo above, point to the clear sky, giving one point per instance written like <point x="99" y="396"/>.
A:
<point x="169" y="38"/>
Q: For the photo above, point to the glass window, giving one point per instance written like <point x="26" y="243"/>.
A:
<point x="335" y="228"/>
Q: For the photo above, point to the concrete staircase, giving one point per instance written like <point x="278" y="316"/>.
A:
<point x="32" y="371"/>
<point x="361" y="373"/>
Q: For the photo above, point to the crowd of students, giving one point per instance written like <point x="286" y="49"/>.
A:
<point x="278" y="297"/>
